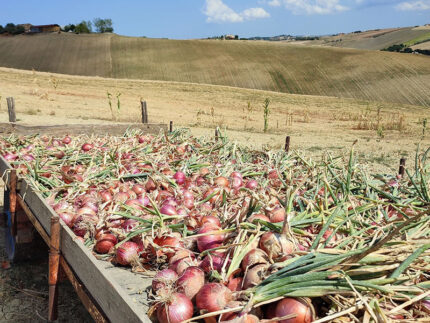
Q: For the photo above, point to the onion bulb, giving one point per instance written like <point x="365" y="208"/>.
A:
<point x="209" y="241"/>
<point x="297" y="306"/>
<point x="213" y="297"/>
<point x="127" y="253"/>
<point x="177" y="309"/>
<point x="254" y="257"/>
<point x="164" y="279"/>
<point x="276" y="245"/>
<point x="105" y="243"/>
<point x="191" y="281"/>
<point x="255" y="275"/>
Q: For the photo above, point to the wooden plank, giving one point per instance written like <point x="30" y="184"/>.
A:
<point x="5" y="169"/>
<point x="101" y="278"/>
<point x="80" y="291"/>
<point x="74" y="129"/>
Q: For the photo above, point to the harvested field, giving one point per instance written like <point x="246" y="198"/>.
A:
<point x="280" y="67"/>
<point x="316" y="123"/>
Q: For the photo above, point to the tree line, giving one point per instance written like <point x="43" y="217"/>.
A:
<point x="98" y="25"/>
<point x="86" y="26"/>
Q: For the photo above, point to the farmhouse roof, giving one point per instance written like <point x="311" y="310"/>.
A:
<point x="43" y="26"/>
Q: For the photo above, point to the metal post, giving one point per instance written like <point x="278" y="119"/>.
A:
<point x="54" y="266"/>
<point x="216" y="134"/>
<point x="171" y="126"/>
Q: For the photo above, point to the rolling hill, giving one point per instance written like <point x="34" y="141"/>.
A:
<point x="281" y="67"/>
<point x="376" y="39"/>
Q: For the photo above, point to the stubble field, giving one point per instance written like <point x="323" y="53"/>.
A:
<point x="316" y="124"/>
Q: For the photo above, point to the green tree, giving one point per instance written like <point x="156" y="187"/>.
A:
<point x="69" y="27"/>
<point x="1" y="29"/>
<point x="84" y="27"/>
<point x="103" y="25"/>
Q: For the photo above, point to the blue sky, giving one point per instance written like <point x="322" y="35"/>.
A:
<point x="203" y="18"/>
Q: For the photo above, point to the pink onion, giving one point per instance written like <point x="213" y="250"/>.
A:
<point x="10" y="156"/>
<point x="178" y="309"/>
<point x="127" y="253"/>
<point x="138" y="189"/>
<point x="67" y="217"/>
<point x="277" y="215"/>
<point x="67" y="140"/>
<point x="255" y="275"/>
<point x="164" y="279"/>
<point x="87" y="147"/>
<point x="254" y="257"/>
<point x="213" y="297"/>
<point x="214" y="261"/>
<point x="295" y="306"/>
<point x="276" y="245"/>
<point x="209" y="241"/>
<point x="191" y="281"/>
<point x="252" y="184"/>
<point x="121" y="197"/>
<point x="179" y="177"/>
<point x="211" y="219"/>
<point x="105" y="243"/>
<point x="168" y="209"/>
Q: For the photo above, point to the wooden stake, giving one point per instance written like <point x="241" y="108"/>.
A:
<point x="11" y="109"/>
<point x="54" y="266"/>
<point x="287" y="144"/>
<point x="216" y="134"/>
<point x="144" y="112"/>
<point x="402" y="167"/>
<point x="171" y="126"/>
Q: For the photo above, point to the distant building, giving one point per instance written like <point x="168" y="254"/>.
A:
<point x="229" y="37"/>
<point x="45" y="28"/>
<point x="26" y="27"/>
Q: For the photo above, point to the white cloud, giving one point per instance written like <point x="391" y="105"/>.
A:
<point x="218" y="11"/>
<point x="311" y="7"/>
<point x="274" y="3"/>
<point x="414" y="5"/>
<point x="254" y="13"/>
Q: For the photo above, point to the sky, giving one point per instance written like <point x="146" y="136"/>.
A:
<point x="184" y="19"/>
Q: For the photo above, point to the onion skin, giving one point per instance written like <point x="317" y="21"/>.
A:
<point x="214" y="261"/>
<point x="277" y="246"/>
<point x="296" y="306"/>
<point x="213" y="297"/>
<point x="252" y="184"/>
<point x="105" y="243"/>
<point x="164" y="279"/>
<point x="178" y="309"/>
<point x="277" y="215"/>
<point x="170" y="242"/>
<point x="255" y="275"/>
<point x="209" y="241"/>
<point x="254" y="257"/>
<point x="191" y="281"/>
<point x="127" y="253"/>
<point x="222" y="182"/>
<point x="87" y="147"/>
<point x="210" y="219"/>
<point x="235" y="284"/>
<point x="68" y="218"/>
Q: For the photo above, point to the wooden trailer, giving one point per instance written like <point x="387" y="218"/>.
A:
<point x="109" y="293"/>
